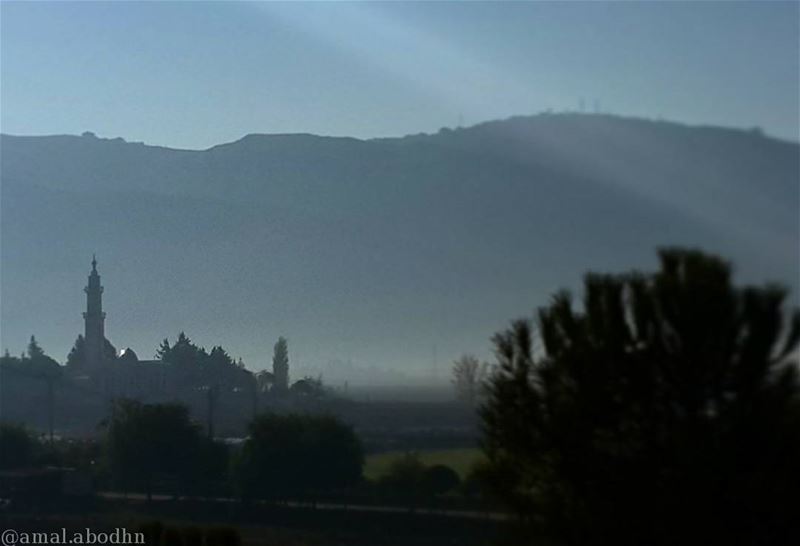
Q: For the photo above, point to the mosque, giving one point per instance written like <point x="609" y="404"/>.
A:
<point x="96" y="364"/>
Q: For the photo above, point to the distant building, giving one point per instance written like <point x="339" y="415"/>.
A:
<point x="96" y="365"/>
<point x="94" y="319"/>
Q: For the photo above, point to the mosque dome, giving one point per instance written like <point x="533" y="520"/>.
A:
<point x="128" y="355"/>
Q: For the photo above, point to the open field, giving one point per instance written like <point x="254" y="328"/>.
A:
<point x="461" y="460"/>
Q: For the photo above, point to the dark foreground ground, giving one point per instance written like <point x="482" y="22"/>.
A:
<point x="274" y="525"/>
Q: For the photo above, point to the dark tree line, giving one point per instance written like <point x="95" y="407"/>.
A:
<point x="409" y="480"/>
<point x="184" y="353"/>
<point x="148" y="442"/>
<point x="17" y="448"/>
<point x="666" y="410"/>
<point x="157" y="448"/>
<point x="291" y="455"/>
<point x="34" y="361"/>
<point x="285" y="456"/>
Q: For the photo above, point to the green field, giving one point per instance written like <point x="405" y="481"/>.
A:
<point x="461" y="460"/>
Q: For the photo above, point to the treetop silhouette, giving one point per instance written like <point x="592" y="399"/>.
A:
<point x="665" y="411"/>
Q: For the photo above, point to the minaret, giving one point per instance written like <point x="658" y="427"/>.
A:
<point x="94" y="318"/>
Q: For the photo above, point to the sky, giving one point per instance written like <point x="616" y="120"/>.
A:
<point x="195" y="74"/>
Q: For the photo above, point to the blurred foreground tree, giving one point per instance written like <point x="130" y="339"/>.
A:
<point x="667" y="411"/>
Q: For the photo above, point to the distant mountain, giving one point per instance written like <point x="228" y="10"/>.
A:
<point x="395" y="253"/>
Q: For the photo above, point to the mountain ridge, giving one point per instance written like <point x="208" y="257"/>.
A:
<point x="742" y="131"/>
<point x="374" y="250"/>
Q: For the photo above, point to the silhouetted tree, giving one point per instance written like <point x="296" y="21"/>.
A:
<point x="34" y="350"/>
<point x="9" y="360"/>
<point x="199" y="370"/>
<point x="280" y="365"/>
<point x="309" y="387"/>
<point x="109" y="351"/>
<point x="403" y="479"/>
<point x="185" y="353"/>
<point x="217" y="364"/>
<point x="17" y="448"/>
<point x="39" y="363"/>
<point x="665" y="412"/>
<point x="408" y="479"/>
<point x="282" y="457"/>
<point x="77" y="355"/>
<point x="439" y="479"/>
<point x="468" y="377"/>
<point x="144" y="441"/>
<point x="162" y="353"/>
<point x="210" y="467"/>
<point x="219" y="358"/>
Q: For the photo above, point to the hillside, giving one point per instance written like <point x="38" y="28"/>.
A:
<point x="379" y="253"/>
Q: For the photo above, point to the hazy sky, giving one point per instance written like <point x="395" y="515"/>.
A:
<point x="192" y="74"/>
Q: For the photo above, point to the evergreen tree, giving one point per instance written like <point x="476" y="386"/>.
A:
<point x="219" y="358"/>
<point x="38" y="362"/>
<point x="109" y="351"/>
<point x="667" y="411"/>
<point x="183" y="353"/>
<point x="280" y="365"/>
<point x="77" y="355"/>
<point x="164" y="350"/>
<point x="34" y="350"/>
<point x="9" y="360"/>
